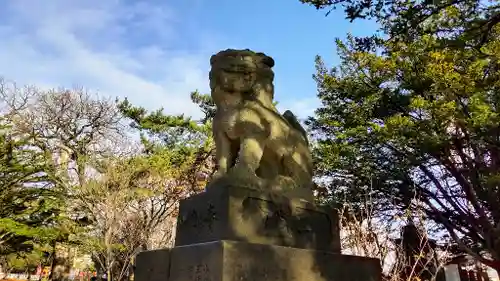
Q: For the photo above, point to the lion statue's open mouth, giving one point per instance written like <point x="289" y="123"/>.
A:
<point x="256" y="145"/>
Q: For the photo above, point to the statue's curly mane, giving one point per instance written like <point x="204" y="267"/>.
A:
<point x="248" y="127"/>
<point x="255" y="68"/>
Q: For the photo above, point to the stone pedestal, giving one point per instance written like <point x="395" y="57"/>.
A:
<point x="247" y="215"/>
<point x="230" y="261"/>
<point x="238" y="234"/>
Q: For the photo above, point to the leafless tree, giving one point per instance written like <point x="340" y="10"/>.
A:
<point x="14" y="98"/>
<point x="74" y="129"/>
<point x="365" y="233"/>
<point x="132" y="207"/>
<point x="128" y="201"/>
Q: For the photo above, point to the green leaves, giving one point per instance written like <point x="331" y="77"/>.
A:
<point x="186" y="143"/>
<point x="163" y="130"/>
<point x="415" y="118"/>
<point x="61" y="183"/>
<point x="28" y="210"/>
<point x="411" y="19"/>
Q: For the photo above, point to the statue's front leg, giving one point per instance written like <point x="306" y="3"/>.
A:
<point x="249" y="156"/>
<point x="223" y="154"/>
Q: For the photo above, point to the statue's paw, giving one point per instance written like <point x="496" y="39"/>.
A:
<point x="283" y="182"/>
<point x="238" y="171"/>
<point x="245" y="177"/>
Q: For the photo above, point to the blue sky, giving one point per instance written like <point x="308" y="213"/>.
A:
<point x="156" y="52"/>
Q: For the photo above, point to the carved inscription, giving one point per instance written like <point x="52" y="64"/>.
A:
<point x="305" y="216"/>
<point x="271" y="218"/>
<point x="199" y="219"/>
<point x="199" y="272"/>
<point x="257" y="272"/>
<point x="293" y="226"/>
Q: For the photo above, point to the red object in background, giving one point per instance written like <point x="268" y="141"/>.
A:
<point x="39" y="270"/>
<point x="493" y="264"/>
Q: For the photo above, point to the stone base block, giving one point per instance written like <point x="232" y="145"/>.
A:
<point x="240" y="261"/>
<point x="240" y="214"/>
<point x="152" y="265"/>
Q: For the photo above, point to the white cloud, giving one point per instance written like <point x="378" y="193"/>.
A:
<point x="118" y="48"/>
<point x="145" y="51"/>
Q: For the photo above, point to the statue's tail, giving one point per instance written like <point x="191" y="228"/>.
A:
<point x="290" y="117"/>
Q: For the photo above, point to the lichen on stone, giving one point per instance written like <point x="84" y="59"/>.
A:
<point x="255" y="144"/>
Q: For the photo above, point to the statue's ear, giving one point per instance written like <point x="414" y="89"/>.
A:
<point x="266" y="60"/>
<point x="213" y="59"/>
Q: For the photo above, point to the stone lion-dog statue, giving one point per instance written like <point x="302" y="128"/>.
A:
<point x="256" y="146"/>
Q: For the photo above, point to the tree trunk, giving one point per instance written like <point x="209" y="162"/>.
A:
<point x="60" y="267"/>
<point x="52" y="262"/>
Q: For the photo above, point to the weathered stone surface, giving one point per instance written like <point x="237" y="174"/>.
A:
<point x="255" y="222"/>
<point x="199" y="262"/>
<point x="255" y="144"/>
<point x="152" y="265"/>
<point x="231" y="261"/>
<point x="240" y="214"/>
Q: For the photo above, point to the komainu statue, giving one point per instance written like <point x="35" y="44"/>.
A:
<point x="256" y="145"/>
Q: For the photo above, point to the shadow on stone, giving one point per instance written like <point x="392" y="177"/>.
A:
<point x="231" y="260"/>
<point x="240" y="229"/>
<point x="247" y="215"/>
<point x="234" y="233"/>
